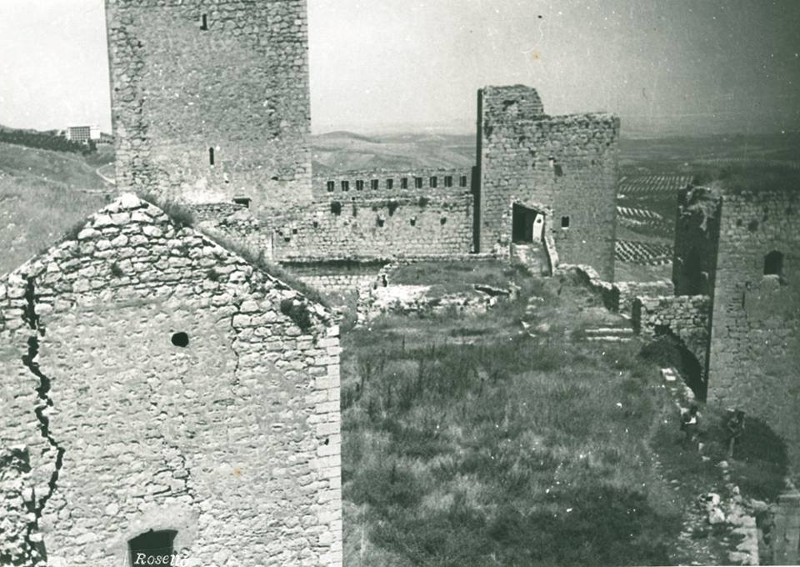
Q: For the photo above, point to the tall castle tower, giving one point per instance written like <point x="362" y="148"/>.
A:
<point x="210" y="99"/>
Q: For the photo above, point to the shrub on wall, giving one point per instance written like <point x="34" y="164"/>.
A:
<point x="297" y="312"/>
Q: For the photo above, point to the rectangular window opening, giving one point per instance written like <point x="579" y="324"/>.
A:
<point x="434" y="182"/>
<point x="404" y="183"/>
<point x="374" y="184"/>
<point x="418" y="182"/>
<point x="242" y="201"/>
<point x="204" y="22"/>
<point x="390" y="183"/>
<point x="565" y="222"/>
<point x="359" y="185"/>
<point x="345" y="186"/>
<point x="462" y="182"/>
<point x="448" y="180"/>
<point x="331" y="185"/>
<point x="211" y="156"/>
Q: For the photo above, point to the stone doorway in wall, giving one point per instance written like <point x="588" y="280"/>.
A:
<point x="527" y="235"/>
<point x="152" y="548"/>
<point x="527" y="225"/>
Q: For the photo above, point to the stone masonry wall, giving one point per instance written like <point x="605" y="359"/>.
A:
<point x="685" y="316"/>
<point x="335" y="276"/>
<point x="563" y="164"/>
<point x="233" y="440"/>
<point x="179" y="91"/>
<point x="755" y="342"/>
<point x="629" y="291"/>
<point x="381" y="183"/>
<point x="379" y="228"/>
<point x="696" y="239"/>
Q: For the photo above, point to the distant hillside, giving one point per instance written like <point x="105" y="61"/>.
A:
<point x="69" y="169"/>
<point x="345" y="151"/>
<point x="42" y="194"/>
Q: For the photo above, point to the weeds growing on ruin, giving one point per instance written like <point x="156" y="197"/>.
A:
<point x="178" y="213"/>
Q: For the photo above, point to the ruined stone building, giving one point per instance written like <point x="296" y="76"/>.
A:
<point x="543" y="190"/>
<point x="210" y="100"/>
<point x="161" y="395"/>
<point x="737" y="286"/>
<point x="541" y="175"/>
<point x="191" y="125"/>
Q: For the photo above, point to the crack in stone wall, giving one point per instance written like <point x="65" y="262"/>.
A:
<point x="31" y="318"/>
<point x="238" y="305"/>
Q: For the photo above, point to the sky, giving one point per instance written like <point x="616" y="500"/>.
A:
<point x="666" y="67"/>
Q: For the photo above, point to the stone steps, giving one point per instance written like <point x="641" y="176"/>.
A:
<point x="609" y="334"/>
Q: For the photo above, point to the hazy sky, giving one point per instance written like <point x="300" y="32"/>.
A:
<point x="668" y="66"/>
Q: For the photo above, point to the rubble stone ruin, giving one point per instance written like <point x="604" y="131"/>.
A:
<point x="161" y="395"/>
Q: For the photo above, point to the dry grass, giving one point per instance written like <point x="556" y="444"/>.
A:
<point x="35" y="214"/>
<point x="507" y="451"/>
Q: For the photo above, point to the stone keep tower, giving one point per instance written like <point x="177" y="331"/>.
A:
<point x="210" y="99"/>
<point x="543" y="175"/>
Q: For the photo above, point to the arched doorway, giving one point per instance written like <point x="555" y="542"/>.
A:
<point x="152" y="548"/>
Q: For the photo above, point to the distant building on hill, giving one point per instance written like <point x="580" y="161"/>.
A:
<point x="83" y="134"/>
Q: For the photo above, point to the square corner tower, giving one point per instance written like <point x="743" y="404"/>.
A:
<point x="560" y="169"/>
<point x="210" y="99"/>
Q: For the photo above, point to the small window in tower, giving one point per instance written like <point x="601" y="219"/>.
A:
<point x="448" y="180"/>
<point x="242" y="201"/>
<point x="404" y="183"/>
<point x="773" y="264"/>
<point x="462" y="182"/>
<point x="331" y="185"/>
<point x="564" y="222"/>
<point x="374" y="184"/>
<point x="418" y="182"/>
<point x="434" y="182"/>
<point x="390" y="183"/>
<point x="359" y="185"/>
<point x="345" y="186"/>
<point x="211" y="156"/>
<point x="204" y="22"/>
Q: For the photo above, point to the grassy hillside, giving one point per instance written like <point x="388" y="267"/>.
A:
<point x="68" y="169"/>
<point x="42" y="194"/>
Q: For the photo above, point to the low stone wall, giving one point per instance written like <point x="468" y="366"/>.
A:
<point x="629" y="291"/>
<point x="786" y="536"/>
<point x="591" y="278"/>
<point x="344" y="276"/>
<point x="685" y="316"/>
<point x="369" y="290"/>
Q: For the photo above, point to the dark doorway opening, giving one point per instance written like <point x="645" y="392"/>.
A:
<point x="695" y="281"/>
<point x="522" y="219"/>
<point x="773" y="264"/>
<point x="152" y="548"/>
<point x="667" y="349"/>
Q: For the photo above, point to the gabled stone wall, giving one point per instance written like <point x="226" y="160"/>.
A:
<point x="189" y="77"/>
<point x="566" y="165"/>
<point x="229" y="434"/>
